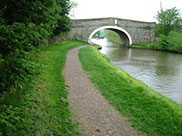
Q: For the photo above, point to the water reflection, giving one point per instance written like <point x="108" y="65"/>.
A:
<point x="161" y="71"/>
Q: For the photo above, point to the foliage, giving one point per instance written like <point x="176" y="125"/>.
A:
<point x="44" y="13"/>
<point x="96" y="34"/>
<point x="64" y="20"/>
<point x="18" y="65"/>
<point x="142" y="44"/>
<point x="63" y="25"/>
<point x="24" y="24"/>
<point x="24" y="27"/>
<point x="40" y="107"/>
<point x="161" y="43"/>
<point x="168" y="20"/>
<point x="175" y="41"/>
<point x="113" y="37"/>
<point x="11" y="121"/>
<point x="48" y="104"/>
<point x="147" y="110"/>
<point x="172" y="42"/>
<point x="168" y="31"/>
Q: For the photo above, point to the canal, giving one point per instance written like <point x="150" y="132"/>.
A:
<point x="161" y="71"/>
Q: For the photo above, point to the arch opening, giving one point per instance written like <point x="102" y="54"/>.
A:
<point x="124" y="35"/>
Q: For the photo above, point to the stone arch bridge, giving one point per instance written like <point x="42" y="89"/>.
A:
<point x="129" y="30"/>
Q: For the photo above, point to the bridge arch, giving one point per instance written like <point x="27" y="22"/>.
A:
<point x="125" y="36"/>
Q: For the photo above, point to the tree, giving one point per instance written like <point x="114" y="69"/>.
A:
<point x="168" y="20"/>
<point x="64" y="20"/>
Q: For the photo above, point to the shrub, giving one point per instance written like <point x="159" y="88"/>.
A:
<point x="24" y="26"/>
<point x="175" y="41"/>
<point x="160" y="43"/>
<point x="11" y="121"/>
<point x="172" y="42"/>
<point x="16" y="42"/>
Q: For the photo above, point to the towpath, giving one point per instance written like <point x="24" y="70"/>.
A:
<point x="94" y="113"/>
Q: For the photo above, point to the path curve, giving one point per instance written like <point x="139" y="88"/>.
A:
<point x="96" y="116"/>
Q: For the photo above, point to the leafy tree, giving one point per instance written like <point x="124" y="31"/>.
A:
<point x="168" y="20"/>
<point x="64" y="20"/>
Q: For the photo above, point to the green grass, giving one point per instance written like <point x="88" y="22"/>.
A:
<point x="147" y="110"/>
<point x="49" y="110"/>
<point x="142" y="44"/>
<point x="41" y="109"/>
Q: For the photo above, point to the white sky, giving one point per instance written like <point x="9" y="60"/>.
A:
<point x="142" y="10"/>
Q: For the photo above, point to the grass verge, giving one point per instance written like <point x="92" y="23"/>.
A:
<point x="142" y="44"/>
<point x="41" y="108"/>
<point x="49" y="107"/>
<point x="147" y="110"/>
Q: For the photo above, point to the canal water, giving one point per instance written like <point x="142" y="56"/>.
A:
<point x="162" y="71"/>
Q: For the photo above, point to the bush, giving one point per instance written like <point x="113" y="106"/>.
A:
<point x="11" y="121"/>
<point x="160" y="43"/>
<point x="17" y="42"/>
<point x="24" y="27"/>
<point x="169" y="31"/>
<point x="175" y="41"/>
<point x="172" y="42"/>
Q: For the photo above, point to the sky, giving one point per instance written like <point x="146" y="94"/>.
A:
<point x="142" y="10"/>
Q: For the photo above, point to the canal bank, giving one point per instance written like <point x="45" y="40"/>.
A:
<point x="159" y="70"/>
<point x="146" y="110"/>
<point x="150" y="46"/>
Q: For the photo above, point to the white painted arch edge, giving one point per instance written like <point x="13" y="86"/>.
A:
<point x="110" y="27"/>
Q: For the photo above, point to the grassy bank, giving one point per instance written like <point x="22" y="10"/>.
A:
<point x="42" y="108"/>
<point x="170" y="43"/>
<point x="147" y="110"/>
<point x="142" y="44"/>
<point x="49" y="107"/>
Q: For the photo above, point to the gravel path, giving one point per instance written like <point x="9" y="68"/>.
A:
<point x="94" y="113"/>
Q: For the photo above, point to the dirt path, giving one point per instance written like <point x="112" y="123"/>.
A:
<point x="96" y="116"/>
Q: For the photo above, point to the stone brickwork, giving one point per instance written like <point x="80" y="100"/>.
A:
<point x="81" y="29"/>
